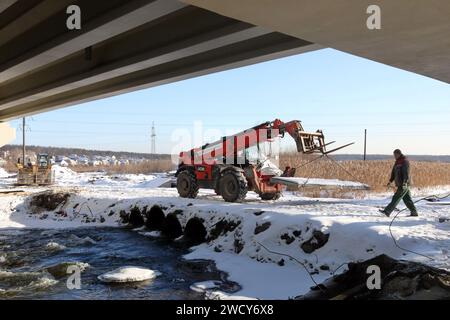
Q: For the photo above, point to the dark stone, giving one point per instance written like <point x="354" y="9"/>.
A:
<point x="297" y="233"/>
<point x="155" y="218"/>
<point x="59" y="271"/>
<point x="324" y="267"/>
<point x="287" y="238"/>
<point x="48" y="200"/>
<point x="258" y="213"/>
<point x="172" y="227"/>
<point x="124" y="218"/>
<point x="318" y="240"/>
<point x="136" y="219"/>
<point x="281" y="263"/>
<point x="195" y="231"/>
<point x="222" y="227"/>
<point x="238" y="246"/>
<point x="262" y="227"/>
<point x="399" y="280"/>
<point x="61" y="213"/>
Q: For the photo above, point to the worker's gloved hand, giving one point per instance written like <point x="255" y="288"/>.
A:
<point x="405" y="185"/>
<point x="389" y="184"/>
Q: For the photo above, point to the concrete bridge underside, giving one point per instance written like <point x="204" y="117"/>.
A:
<point x="414" y="34"/>
<point x="123" y="45"/>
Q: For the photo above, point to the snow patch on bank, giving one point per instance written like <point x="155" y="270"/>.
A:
<point x="101" y="180"/>
<point x="3" y="173"/>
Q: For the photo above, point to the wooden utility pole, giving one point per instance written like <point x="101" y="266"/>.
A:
<point x="365" y="144"/>
<point x="23" y="141"/>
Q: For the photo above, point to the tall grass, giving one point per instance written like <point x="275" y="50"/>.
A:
<point x="145" y="167"/>
<point x="10" y="167"/>
<point x="375" y="173"/>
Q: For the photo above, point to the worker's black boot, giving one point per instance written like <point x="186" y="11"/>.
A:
<point x="414" y="214"/>
<point x="383" y="211"/>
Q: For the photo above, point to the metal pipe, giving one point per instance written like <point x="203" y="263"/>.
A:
<point x="23" y="141"/>
<point x="365" y="144"/>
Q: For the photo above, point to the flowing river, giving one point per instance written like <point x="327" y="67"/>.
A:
<point x="33" y="265"/>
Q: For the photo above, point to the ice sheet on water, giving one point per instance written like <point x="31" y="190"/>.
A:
<point x="205" y="285"/>
<point x="54" y="246"/>
<point x="151" y="234"/>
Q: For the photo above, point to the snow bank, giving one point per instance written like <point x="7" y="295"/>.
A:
<point x="129" y="274"/>
<point x="64" y="174"/>
<point x="3" y="173"/>
<point x="156" y="182"/>
<point x="67" y="177"/>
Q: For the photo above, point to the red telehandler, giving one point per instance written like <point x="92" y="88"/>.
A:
<point x="225" y="166"/>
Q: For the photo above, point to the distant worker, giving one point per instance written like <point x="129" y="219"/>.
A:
<point x="402" y="178"/>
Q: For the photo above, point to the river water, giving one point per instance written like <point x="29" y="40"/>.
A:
<point x="33" y="265"/>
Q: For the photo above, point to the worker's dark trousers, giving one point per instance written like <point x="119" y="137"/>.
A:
<point x="405" y="194"/>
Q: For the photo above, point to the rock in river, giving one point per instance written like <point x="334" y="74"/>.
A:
<point x="129" y="274"/>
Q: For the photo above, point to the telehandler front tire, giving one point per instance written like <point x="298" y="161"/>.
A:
<point x="187" y="185"/>
<point x="233" y="186"/>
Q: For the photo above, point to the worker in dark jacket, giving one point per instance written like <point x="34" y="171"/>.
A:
<point x="402" y="178"/>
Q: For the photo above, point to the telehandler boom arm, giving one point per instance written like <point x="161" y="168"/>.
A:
<point x="229" y="146"/>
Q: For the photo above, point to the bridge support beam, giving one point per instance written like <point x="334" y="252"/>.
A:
<point x="124" y="45"/>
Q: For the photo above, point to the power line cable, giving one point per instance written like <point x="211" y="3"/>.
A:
<point x="296" y="260"/>
<point x="400" y="211"/>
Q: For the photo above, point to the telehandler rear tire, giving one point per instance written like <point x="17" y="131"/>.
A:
<point x="187" y="185"/>
<point x="233" y="186"/>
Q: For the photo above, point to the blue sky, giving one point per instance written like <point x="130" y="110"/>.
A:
<point x="327" y="89"/>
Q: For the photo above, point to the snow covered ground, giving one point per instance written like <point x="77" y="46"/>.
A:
<point x="256" y="239"/>
<point x="102" y="181"/>
<point x="3" y="173"/>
